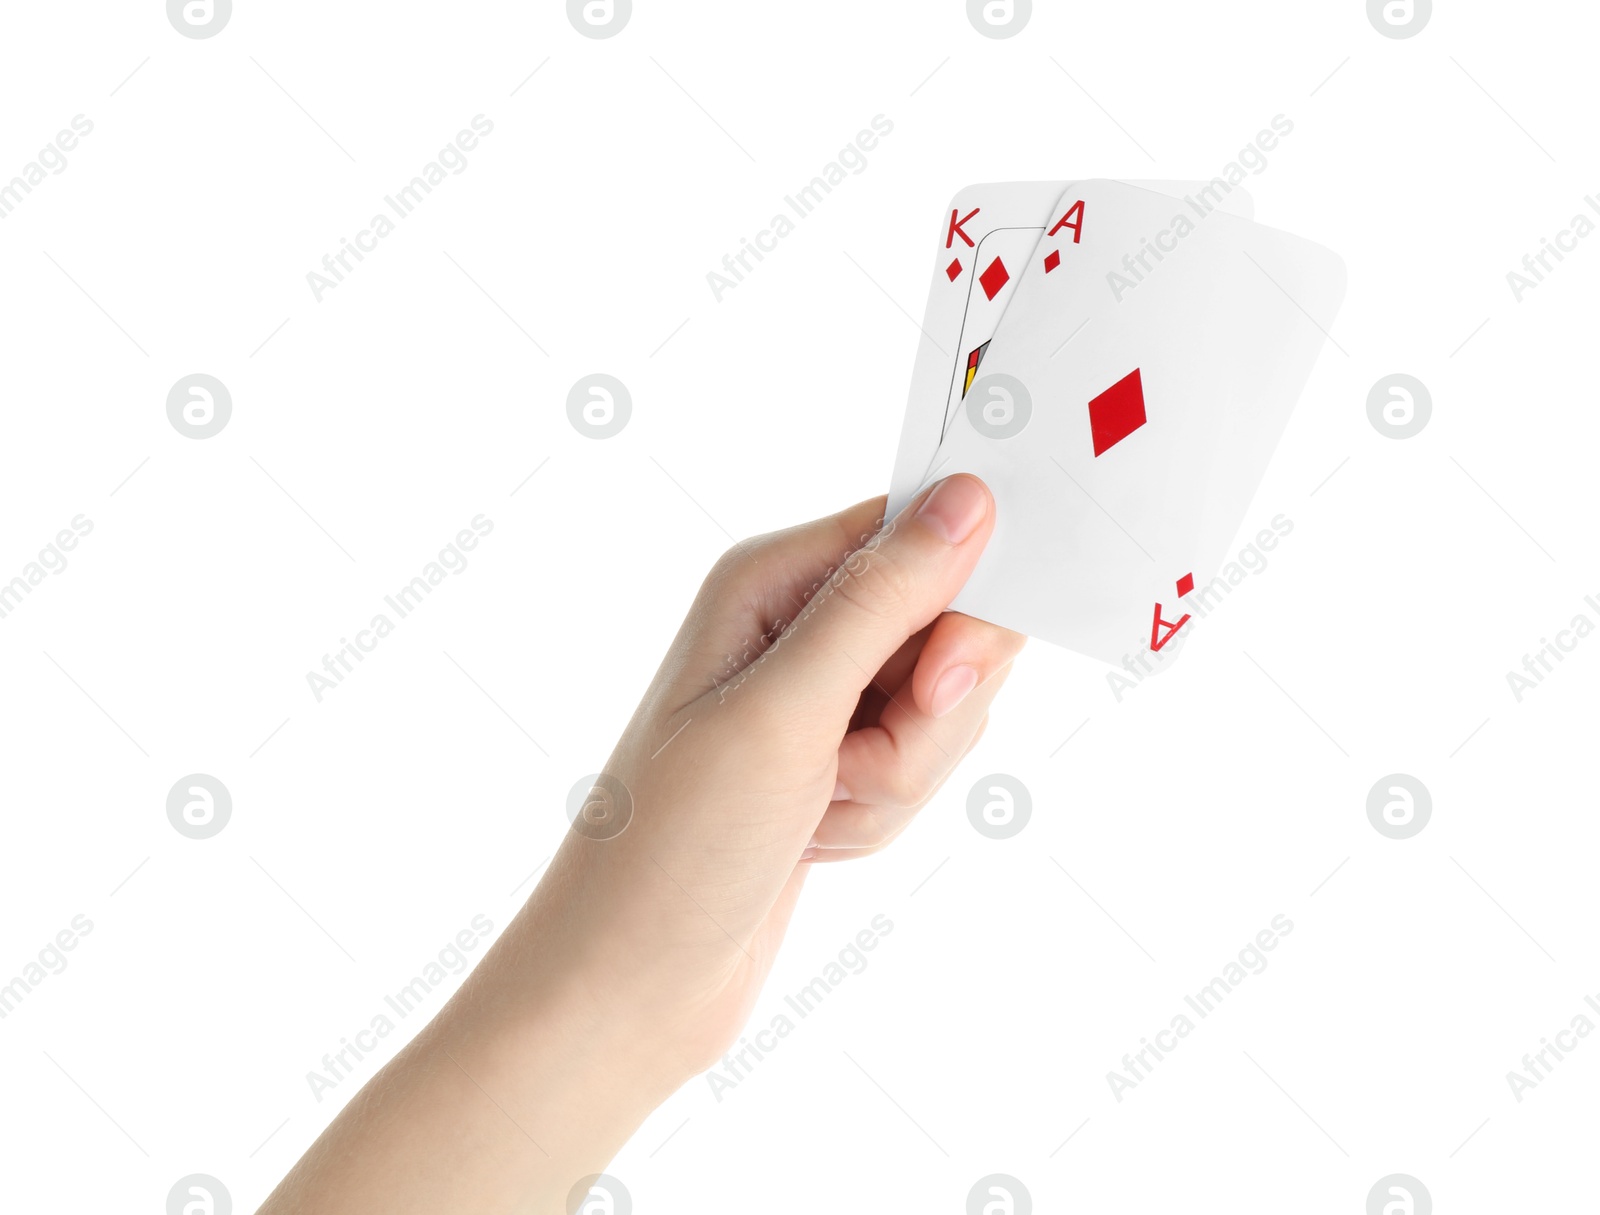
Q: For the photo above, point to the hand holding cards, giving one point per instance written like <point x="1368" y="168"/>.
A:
<point x="1118" y="367"/>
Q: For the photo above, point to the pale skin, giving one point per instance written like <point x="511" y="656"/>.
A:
<point x="634" y="964"/>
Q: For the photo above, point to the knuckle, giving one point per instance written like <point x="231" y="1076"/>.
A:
<point x="905" y="788"/>
<point x="730" y="570"/>
<point x="873" y="833"/>
<point x="1003" y="644"/>
<point x="1012" y="645"/>
<point x="879" y="833"/>
<point x="868" y="827"/>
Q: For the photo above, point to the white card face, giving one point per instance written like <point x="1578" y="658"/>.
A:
<point x="989" y="234"/>
<point x="1126" y="408"/>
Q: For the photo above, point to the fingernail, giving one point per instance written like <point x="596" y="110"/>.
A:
<point x="951" y="689"/>
<point x="808" y="853"/>
<point x="954" y="509"/>
<point x="840" y="793"/>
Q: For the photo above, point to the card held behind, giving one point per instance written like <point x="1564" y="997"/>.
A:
<point x="1126" y="411"/>
<point x="986" y="237"/>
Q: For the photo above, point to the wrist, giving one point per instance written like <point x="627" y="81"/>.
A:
<point x="575" y="1062"/>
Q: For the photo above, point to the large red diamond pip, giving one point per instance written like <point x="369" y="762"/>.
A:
<point x="1117" y="412"/>
<point x="994" y="278"/>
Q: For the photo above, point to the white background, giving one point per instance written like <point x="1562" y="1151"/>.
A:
<point x="369" y="428"/>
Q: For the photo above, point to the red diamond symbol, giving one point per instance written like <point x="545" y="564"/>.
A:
<point x="1052" y="261"/>
<point x="1185" y="585"/>
<point x="953" y="269"/>
<point x="1117" y="412"/>
<point x="994" y="278"/>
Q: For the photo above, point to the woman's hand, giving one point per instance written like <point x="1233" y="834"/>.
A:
<point x="816" y="696"/>
<point x="748" y="760"/>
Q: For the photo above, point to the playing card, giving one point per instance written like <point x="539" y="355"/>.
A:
<point x="1126" y="408"/>
<point x="988" y="234"/>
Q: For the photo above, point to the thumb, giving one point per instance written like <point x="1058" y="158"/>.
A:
<point x="884" y="592"/>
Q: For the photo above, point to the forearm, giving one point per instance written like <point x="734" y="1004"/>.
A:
<point x="526" y="1081"/>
